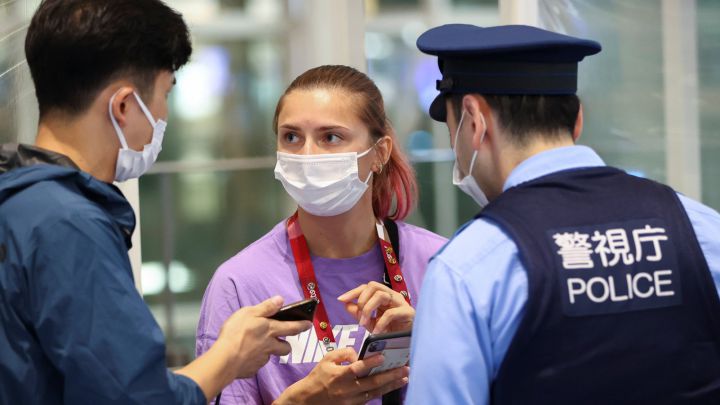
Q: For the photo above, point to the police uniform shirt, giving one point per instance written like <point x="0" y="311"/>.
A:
<point x="475" y="291"/>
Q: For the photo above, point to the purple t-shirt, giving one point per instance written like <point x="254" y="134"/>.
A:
<point x="267" y="268"/>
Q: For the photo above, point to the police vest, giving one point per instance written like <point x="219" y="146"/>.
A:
<point x="621" y="305"/>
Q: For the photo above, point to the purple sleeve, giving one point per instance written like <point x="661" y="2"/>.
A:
<point x="220" y="301"/>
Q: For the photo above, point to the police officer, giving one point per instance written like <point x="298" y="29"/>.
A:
<point x="577" y="283"/>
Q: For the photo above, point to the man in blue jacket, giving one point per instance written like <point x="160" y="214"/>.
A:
<point x="73" y="329"/>
<point x="577" y="283"/>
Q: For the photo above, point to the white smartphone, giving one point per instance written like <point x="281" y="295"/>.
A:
<point x="395" y="347"/>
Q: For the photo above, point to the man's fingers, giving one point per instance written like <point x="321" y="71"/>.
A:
<point x="288" y="328"/>
<point x="269" y="307"/>
<point x="279" y="347"/>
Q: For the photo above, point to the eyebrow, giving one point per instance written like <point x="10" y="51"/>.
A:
<point x="323" y="128"/>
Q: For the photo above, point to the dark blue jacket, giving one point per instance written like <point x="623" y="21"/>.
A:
<point x="73" y="328"/>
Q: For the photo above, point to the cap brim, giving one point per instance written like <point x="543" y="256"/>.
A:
<point x="438" y="112"/>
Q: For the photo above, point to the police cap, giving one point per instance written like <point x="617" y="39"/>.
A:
<point x="507" y="60"/>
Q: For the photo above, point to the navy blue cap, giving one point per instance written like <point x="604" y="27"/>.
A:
<point x="507" y="60"/>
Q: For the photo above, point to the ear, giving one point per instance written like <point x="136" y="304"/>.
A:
<point x="480" y="117"/>
<point x="119" y="106"/>
<point x="577" y="131"/>
<point x="383" y="148"/>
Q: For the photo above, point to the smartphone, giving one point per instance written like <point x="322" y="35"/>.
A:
<point x="395" y="347"/>
<point x="297" y="311"/>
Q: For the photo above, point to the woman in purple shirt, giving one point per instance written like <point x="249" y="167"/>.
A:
<point x="337" y="158"/>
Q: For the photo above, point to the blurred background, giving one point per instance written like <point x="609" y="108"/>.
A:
<point x="651" y="102"/>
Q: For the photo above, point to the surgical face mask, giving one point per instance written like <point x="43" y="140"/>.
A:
<point x="131" y="163"/>
<point x="468" y="184"/>
<point x="323" y="185"/>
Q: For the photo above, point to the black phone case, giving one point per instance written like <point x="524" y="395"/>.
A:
<point x="381" y="336"/>
<point x="297" y="311"/>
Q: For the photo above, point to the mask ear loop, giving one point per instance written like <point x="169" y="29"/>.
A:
<point x="145" y="110"/>
<point x="482" y="139"/>
<point x="365" y="153"/>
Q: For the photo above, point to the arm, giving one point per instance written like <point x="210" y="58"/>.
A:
<point x="706" y="223"/>
<point x="219" y="303"/>
<point x="92" y="323"/>
<point x="246" y="342"/>
<point x="96" y="329"/>
<point x="451" y="358"/>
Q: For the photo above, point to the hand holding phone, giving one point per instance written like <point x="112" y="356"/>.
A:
<point x="297" y="311"/>
<point x="395" y="348"/>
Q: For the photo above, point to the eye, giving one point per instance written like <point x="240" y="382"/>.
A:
<point x="291" y="137"/>
<point x="333" y="138"/>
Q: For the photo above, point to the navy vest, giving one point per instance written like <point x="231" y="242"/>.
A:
<point x="621" y="304"/>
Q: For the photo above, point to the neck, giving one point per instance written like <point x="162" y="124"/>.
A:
<point x="83" y="140"/>
<point x="512" y="156"/>
<point x="342" y="236"/>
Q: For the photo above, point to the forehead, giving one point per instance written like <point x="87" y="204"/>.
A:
<point x="318" y="105"/>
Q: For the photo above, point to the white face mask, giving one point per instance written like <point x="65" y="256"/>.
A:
<point x="323" y="185"/>
<point x="131" y="163"/>
<point x="468" y="184"/>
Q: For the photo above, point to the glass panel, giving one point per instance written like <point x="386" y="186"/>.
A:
<point x="18" y="107"/>
<point x="476" y="3"/>
<point x="406" y="78"/>
<point x="708" y="31"/>
<point x="387" y="5"/>
<point x="224" y="102"/>
<point x="222" y="108"/>
<point x="621" y="87"/>
<point x="200" y="219"/>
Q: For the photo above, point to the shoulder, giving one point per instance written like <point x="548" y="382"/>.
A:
<point x="53" y="204"/>
<point x="700" y="213"/>
<point x="478" y="246"/>
<point x="416" y="236"/>
<point x="706" y="224"/>
<point x="263" y="259"/>
<point x="51" y="196"/>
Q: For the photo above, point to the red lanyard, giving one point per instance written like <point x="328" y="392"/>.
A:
<point x="311" y="288"/>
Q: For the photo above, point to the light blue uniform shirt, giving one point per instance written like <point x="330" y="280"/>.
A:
<point x="475" y="289"/>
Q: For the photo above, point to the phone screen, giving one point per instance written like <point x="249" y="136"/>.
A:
<point x="395" y="347"/>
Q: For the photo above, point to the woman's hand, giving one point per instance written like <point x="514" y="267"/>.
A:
<point x="333" y="381"/>
<point x="392" y="312"/>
